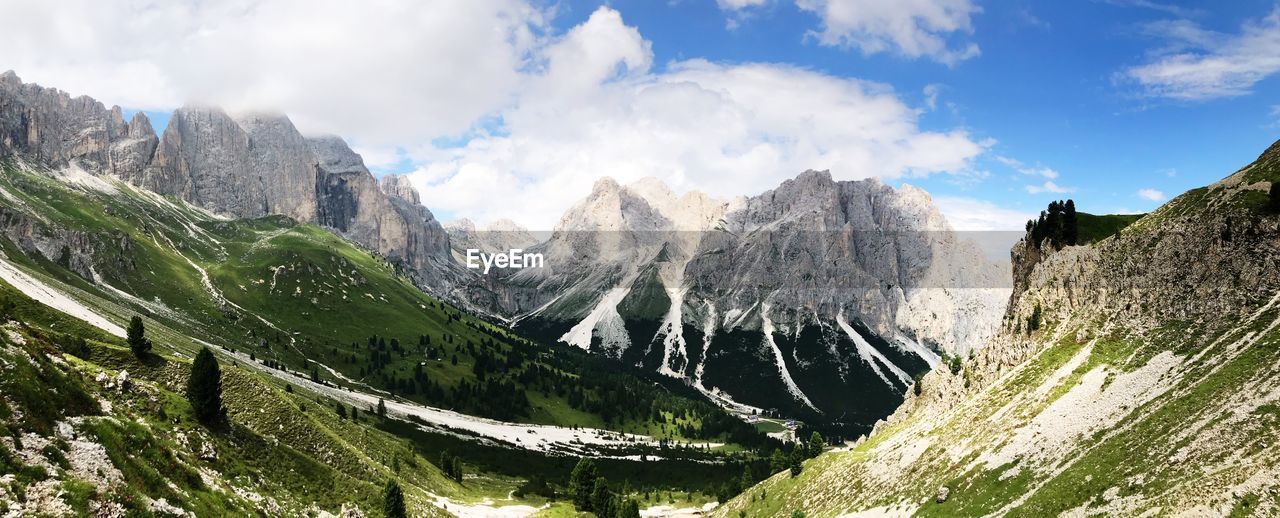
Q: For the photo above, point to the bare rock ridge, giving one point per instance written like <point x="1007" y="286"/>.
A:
<point x="795" y="299"/>
<point x="250" y="166"/>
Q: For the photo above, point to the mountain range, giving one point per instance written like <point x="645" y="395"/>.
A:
<point x="735" y="297"/>
<point x="1125" y="367"/>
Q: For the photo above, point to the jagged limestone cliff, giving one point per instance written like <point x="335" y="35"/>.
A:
<point x="819" y="299"/>
<point x="247" y="166"/>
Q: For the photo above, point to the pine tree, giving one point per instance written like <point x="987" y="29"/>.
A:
<point x="746" y="481"/>
<point x="446" y="461"/>
<point x="777" y="461"/>
<point x="137" y="337"/>
<point x="1070" y="225"/>
<point x="382" y="408"/>
<point x="797" y="457"/>
<point x="816" y="444"/>
<point x="204" y="388"/>
<point x="630" y="509"/>
<point x="581" y="482"/>
<point x="393" y="501"/>
<point x="601" y="498"/>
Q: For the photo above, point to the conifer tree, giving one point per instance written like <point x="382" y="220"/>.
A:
<point x="204" y="388"/>
<point x="601" y="498"/>
<point x="137" y="337"/>
<point x="777" y="461"/>
<point x="393" y="501"/>
<point x="581" y="482"/>
<point x="816" y="444"/>
<point x="1070" y="225"/>
<point x="630" y="509"/>
<point x="797" y="457"/>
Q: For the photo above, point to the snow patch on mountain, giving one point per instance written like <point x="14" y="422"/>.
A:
<point x="870" y="355"/>
<point x="603" y="321"/>
<point x="768" y="330"/>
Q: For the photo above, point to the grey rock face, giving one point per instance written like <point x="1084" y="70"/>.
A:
<point x="382" y="215"/>
<point x="795" y="299"/>
<point x="251" y="166"/>
<point x="203" y="157"/>
<point x="131" y="154"/>
<point x="398" y="186"/>
<point x="1207" y="256"/>
<point x="50" y="126"/>
<point x="284" y="164"/>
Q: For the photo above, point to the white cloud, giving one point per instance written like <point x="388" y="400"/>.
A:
<point x="1198" y="64"/>
<point x="723" y="129"/>
<point x="912" y="28"/>
<point x="733" y="5"/>
<point x="1049" y="186"/>
<point x="974" y="215"/>
<point x="539" y="116"/>
<point x="1151" y="195"/>
<point x="993" y="228"/>
<point x="379" y="72"/>
<point x="1022" y="168"/>
<point x="931" y="92"/>
<point x="1156" y="6"/>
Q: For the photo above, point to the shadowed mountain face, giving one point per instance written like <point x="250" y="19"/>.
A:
<point x="248" y="166"/>
<point x="819" y="299"/>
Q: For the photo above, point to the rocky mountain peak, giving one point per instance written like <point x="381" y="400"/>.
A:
<point x="506" y="225"/>
<point x="604" y="186"/>
<point x="249" y="165"/>
<point x="399" y="186"/>
<point x="460" y="224"/>
<point x="10" y="77"/>
<point x="335" y="156"/>
<point x="140" y="126"/>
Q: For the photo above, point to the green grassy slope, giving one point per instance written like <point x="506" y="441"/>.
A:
<point x="299" y="296"/>
<point x="67" y="427"/>
<point x="1094" y="228"/>
<point x="1151" y="386"/>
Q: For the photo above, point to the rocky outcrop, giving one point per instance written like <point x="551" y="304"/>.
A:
<point x="389" y="221"/>
<point x="397" y="186"/>
<point x="49" y="126"/>
<point x="248" y="166"/>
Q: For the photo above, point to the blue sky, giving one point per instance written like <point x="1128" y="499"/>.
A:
<point x="513" y="108"/>
<point x="1047" y="86"/>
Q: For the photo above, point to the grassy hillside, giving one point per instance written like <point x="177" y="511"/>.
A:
<point x="1094" y="228"/>
<point x="76" y="439"/>
<point x="295" y="296"/>
<point x="1151" y="385"/>
<point x="298" y="296"/>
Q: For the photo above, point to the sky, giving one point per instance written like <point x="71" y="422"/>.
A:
<point x="513" y="108"/>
